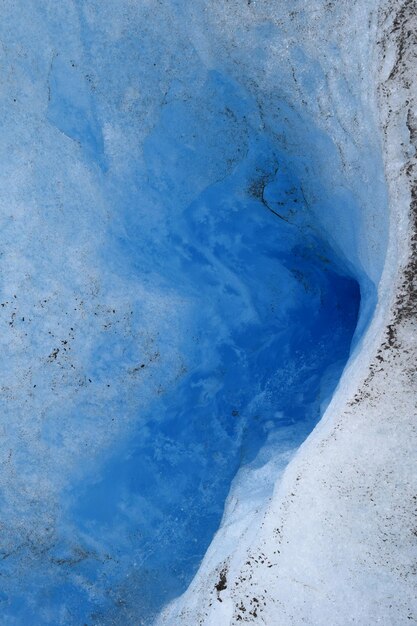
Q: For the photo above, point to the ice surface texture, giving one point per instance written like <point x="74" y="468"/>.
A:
<point x="181" y="258"/>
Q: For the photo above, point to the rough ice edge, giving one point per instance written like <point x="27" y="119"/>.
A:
<point x="336" y="543"/>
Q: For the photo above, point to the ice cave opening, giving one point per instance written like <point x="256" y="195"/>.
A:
<point x="183" y="278"/>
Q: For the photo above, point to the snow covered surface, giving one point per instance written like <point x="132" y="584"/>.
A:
<point x="192" y="195"/>
<point x="336" y="543"/>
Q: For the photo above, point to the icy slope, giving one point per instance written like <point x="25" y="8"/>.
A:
<point x="187" y="234"/>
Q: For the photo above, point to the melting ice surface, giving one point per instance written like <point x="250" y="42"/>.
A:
<point x="170" y="303"/>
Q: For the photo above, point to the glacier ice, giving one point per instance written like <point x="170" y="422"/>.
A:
<point x="182" y="266"/>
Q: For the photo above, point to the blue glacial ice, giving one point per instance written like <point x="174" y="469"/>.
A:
<point x="182" y="270"/>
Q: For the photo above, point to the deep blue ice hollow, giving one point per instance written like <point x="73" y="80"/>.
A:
<point x="275" y="319"/>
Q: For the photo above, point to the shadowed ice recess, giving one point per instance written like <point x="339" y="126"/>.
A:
<point x="181" y="282"/>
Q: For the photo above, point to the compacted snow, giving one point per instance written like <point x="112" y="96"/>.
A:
<point x="204" y="214"/>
